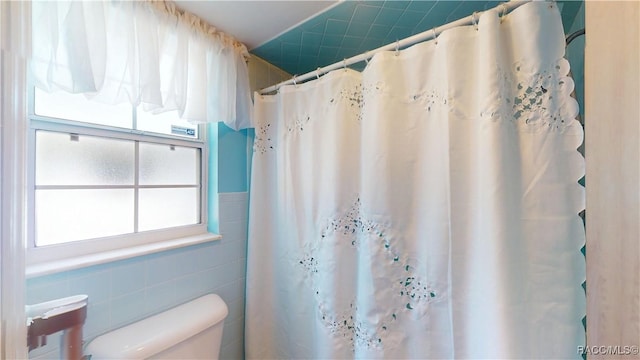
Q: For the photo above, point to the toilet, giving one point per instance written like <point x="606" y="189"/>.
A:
<point x="189" y="331"/>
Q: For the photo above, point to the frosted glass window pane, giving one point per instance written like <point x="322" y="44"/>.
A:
<point x="162" y="164"/>
<point x="166" y="123"/>
<point x="71" y="215"/>
<point x="77" y="107"/>
<point x="88" y="161"/>
<point x="163" y="208"/>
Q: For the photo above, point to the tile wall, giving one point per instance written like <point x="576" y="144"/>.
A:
<point x="125" y="291"/>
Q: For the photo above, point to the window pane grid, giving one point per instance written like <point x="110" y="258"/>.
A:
<point x="157" y="204"/>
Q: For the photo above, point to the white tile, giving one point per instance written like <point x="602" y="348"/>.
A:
<point x="234" y="231"/>
<point x="98" y="319"/>
<point x="160" y="297"/>
<point x="97" y="285"/>
<point x="233" y="211"/>
<point x="233" y="197"/>
<point x="160" y="268"/>
<point x="127" y="278"/>
<point x="47" y="291"/>
<point x="234" y="351"/>
<point x="236" y="310"/>
<point x="127" y="309"/>
<point x="232" y="291"/>
<point x="233" y="332"/>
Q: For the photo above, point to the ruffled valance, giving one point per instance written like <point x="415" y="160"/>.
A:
<point x="147" y="53"/>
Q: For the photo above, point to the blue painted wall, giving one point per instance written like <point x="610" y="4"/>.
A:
<point x="232" y="160"/>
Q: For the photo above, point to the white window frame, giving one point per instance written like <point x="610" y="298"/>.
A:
<point x="59" y="257"/>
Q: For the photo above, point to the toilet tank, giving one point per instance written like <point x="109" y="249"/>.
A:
<point x="189" y="331"/>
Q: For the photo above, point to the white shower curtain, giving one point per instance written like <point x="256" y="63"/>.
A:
<point x="426" y="207"/>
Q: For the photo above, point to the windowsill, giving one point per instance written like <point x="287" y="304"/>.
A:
<point x="53" y="267"/>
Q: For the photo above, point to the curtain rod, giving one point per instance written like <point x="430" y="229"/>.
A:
<point x="503" y="9"/>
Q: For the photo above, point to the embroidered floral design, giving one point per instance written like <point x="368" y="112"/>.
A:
<point x="263" y="141"/>
<point x="429" y="99"/>
<point x="533" y="97"/>
<point x="414" y="290"/>
<point x="300" y="123"/>
<point x="309" y="263"/>
<point x="408" y="289"/>
<point x="348" y="328"/>
<point x="356" y="96"/>
<point x="350" y="223"/>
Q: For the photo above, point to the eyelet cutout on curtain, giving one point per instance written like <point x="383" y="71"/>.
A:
<point x="301" y="121"/>
<point x="357" y="96"/>
<point x="535" y="97"/>
<point x="430" y="100"/>
<point x="397" y="276"/>
<point x="263" y="141"/>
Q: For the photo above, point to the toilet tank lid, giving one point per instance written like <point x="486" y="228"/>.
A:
<point x="157" y="333"/>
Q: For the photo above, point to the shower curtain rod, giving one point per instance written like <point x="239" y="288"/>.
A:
<point x="503" y="9"/>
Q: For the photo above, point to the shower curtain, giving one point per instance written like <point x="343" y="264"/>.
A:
<point x="426" y="207"/>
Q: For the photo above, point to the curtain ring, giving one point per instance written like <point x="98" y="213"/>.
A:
<point x="366" y="58"/>
<point x="397" y="47"/>
<point x="435" y="36"/>
<point x="474" y="19"/>
<point x="318" y="73"/>
<point x="295" y="80"/>
<point x="344" y="64"/>
<point x="503" y="12"/>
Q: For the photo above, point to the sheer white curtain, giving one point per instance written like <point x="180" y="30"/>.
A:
<point x="141" y="52"/>
<point x="426" y="207"/>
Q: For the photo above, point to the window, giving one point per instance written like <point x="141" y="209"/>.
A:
<point x="105" y="177"/>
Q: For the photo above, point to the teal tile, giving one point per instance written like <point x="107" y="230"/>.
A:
<point x="313" y="23"/>
<point x="306" y="64"/>
<point x="365" y="13"/>
<point x="291" y="36"/>
<point x="376" y="23"/>
<point x="345" y="53"/>
<point x="351" y="42"/>
<point x="410" y="18"/>
<point x="317" y="28"/>
<point x="328" y="52"/>
<point x="370" y="44"/>
<point x="331" y="40"/>
<point x="463" y="10"/>
<point x="336" y="27"/>
<point x="343" y="11"/>
<point x="394" y="4"/>
<point x="311" y="39"/>
<point x="388" y="17"/>
<point x="398" y="33"/>
<point x="358" y="29"/>
<point x="290" y="49"/>
<point x="491" y="4"/>
<point x="421" y="6"/>
<point x="309" y="50"/>
<point x="442" y="9"/>
<point x="379" y="32"/>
